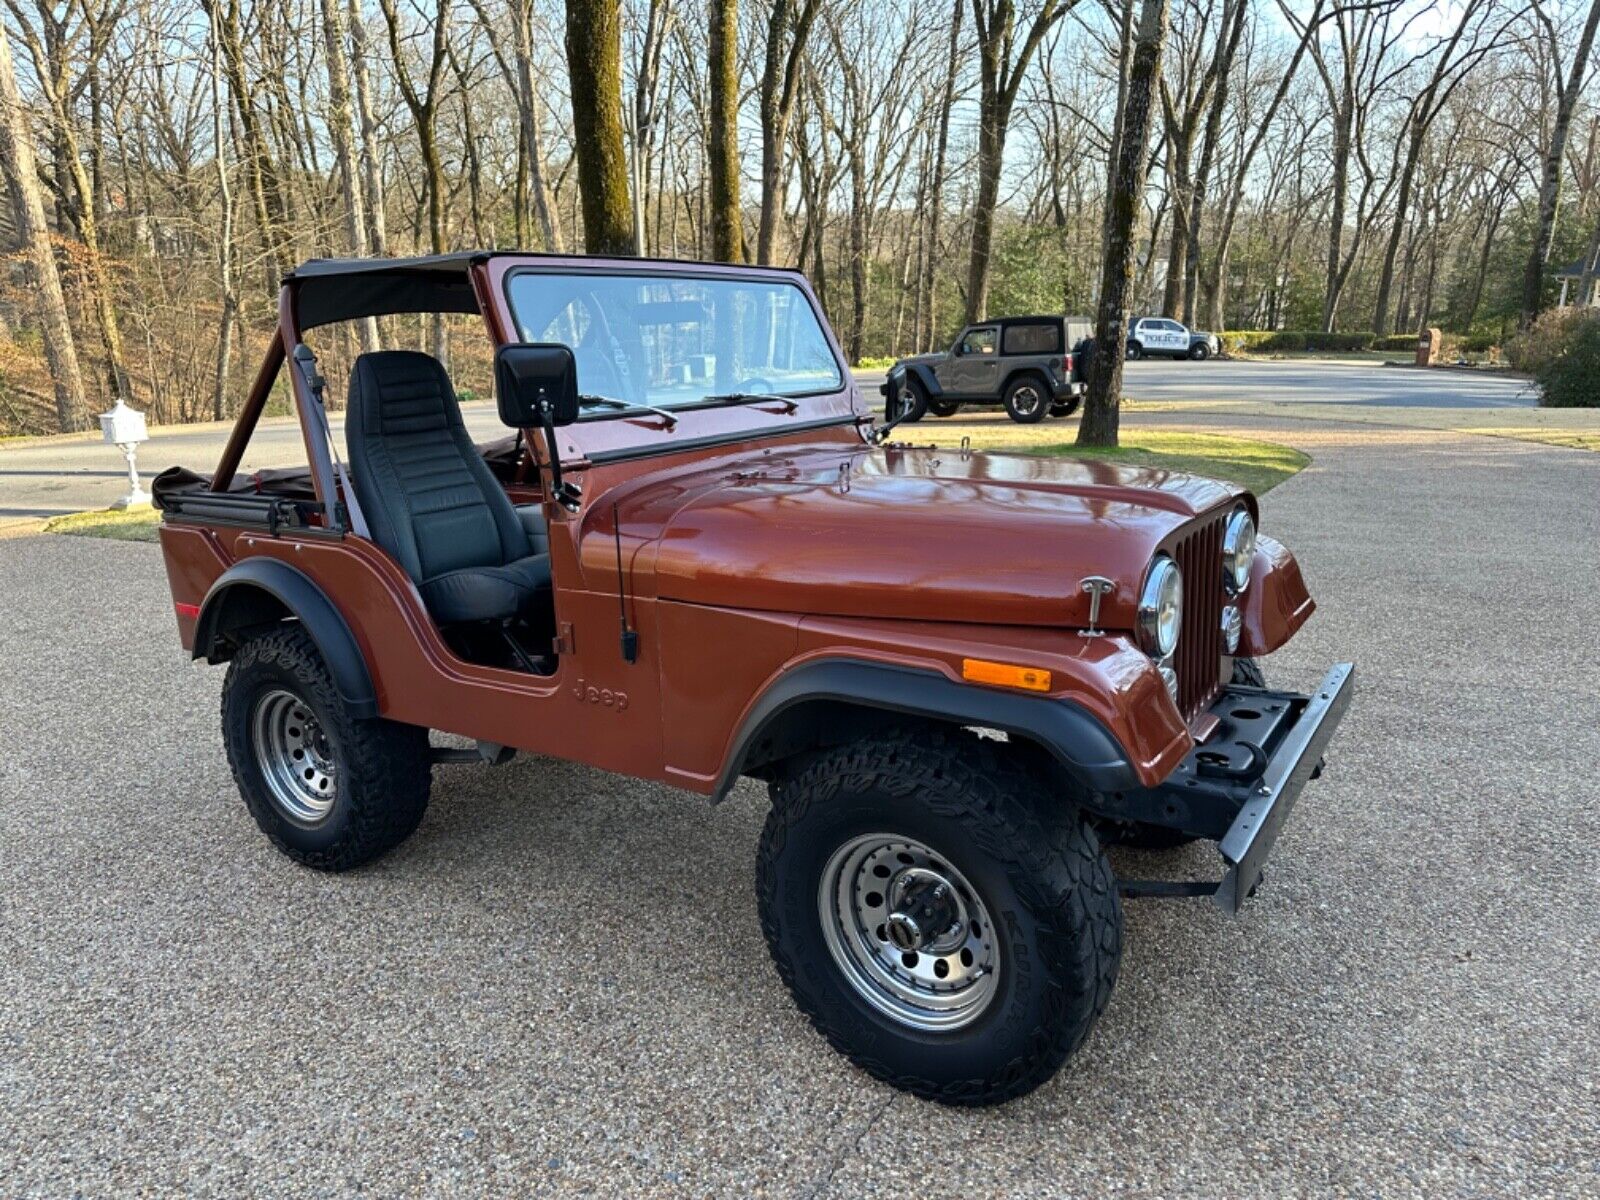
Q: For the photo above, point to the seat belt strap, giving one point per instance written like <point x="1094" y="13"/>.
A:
<point x="315" y="384"/>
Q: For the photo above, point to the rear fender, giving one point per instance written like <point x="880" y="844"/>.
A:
<point x="257" y="593"/>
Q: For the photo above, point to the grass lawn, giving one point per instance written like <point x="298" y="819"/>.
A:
<point x="1259" y="466"/>
<point x="139" y="525"/>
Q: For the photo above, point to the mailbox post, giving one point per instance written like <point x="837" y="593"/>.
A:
<point x="124" y="428"/>
<point x="1429" y="342"/>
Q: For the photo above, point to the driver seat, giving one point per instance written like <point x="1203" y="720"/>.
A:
<point x="430" y="499"/>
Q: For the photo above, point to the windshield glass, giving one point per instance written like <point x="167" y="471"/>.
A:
<point x="648" y="339"/>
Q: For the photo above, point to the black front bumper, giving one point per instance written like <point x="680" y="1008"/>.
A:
<point x="1239" y="785"/>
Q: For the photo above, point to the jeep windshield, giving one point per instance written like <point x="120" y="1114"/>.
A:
<point x="652" y="341"/>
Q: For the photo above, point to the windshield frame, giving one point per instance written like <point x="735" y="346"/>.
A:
<point x="669" y="270"/>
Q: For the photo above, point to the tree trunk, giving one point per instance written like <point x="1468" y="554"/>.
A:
<point x="339" y="132"/>
<point x="999" y="80"/>
<point x="594" y="64"/>
<point x="528" y="114"/>
<point x="930" y="260"/>
<point x="727" y="225"/>
<point x="780" y="82"/>
<point x="1402" y="208"/>
<point x="1102" y="406"/>
<point x="371" y="164"/>
<point x="27" y="206"/>
<point x="1554" y="163"/>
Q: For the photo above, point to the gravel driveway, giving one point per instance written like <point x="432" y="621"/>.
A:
<point x="558" y="986"/>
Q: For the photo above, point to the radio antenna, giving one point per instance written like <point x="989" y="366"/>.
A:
<point x="630" y="636"/>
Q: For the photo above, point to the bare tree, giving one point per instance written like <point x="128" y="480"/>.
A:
<point x="788" y="26"/>
<point x="1001" y="66"/>
<point x="1102" y="406"/>
<point x="22" y="182"/>
<point x="1555" y="153"/>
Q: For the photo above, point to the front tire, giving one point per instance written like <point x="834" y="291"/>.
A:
<point x="1027" y="400"/>
<point x="913" y="401"/>
<point x="971" y="995"/>
<point x="1199" y="352"/>
<point x="329" y="790"/>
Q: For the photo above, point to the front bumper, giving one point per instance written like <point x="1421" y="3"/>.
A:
<point x="1240" y="784"/>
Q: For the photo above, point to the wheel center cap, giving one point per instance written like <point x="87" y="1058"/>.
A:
<point x="924" y="910"/>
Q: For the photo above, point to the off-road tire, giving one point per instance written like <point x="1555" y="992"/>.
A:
<point x="944" y="408"/>
<point x="1199" y="352"/>
<point x="1038" y="870"/>
<point x="1142" y="836"/>
<point x="1027" y="384"/>
<point x="1247" y="671"/>
<point x="1135" y="352"/>
<point x="383" y="770"/>
<point x="915" y="398"/>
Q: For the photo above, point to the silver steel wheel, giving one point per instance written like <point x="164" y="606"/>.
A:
<point x="294" y="756"/>
<point x="909" y="933"/>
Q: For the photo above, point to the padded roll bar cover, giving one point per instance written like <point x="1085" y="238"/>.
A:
<point x="1078" y="741"/>
<point x="303" y="599"/>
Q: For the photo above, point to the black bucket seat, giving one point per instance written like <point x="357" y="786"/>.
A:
<point x="431" y="501"/>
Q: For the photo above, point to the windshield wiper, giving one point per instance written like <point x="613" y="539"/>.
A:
<point x="624" y="406"/>
<point x="789" y="405"/>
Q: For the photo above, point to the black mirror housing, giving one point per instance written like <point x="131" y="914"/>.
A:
<point x="536" y="384"/>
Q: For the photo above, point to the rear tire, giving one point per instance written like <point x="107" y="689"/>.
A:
<point x="329" y="790"/>
<point x="988" y="1006"/>
<point x="1027" y="400"/>
<point x="1135" y="352"/>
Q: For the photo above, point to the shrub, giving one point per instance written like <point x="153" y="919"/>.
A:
<point x="1396" y="342"/>
<point x="1569" y="375"/>
<point x="1281" y="341"/>
<point x="1541" y="342"/>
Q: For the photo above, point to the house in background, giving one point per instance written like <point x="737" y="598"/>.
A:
<point x="1575" y="281"/>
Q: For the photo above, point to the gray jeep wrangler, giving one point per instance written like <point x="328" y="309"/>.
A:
<point x="1033" y="367"/>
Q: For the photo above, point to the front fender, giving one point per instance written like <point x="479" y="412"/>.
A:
<point x="1276" y="602"/>
<point x="1074" y="737"/>
<point x="925" y="376"/>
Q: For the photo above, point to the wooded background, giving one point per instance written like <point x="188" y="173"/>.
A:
<point x="1372" y="165"/>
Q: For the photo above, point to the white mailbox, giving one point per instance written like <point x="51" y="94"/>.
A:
<point x="124" y="428"/>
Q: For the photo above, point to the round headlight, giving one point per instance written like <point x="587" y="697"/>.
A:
<point x="1238" y="550"/>
<point x="1161" y="608"/>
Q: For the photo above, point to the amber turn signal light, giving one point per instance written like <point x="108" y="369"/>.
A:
<point x="1029" y="679"/>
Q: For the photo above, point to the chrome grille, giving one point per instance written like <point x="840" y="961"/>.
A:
<point x="1198" y="659"/>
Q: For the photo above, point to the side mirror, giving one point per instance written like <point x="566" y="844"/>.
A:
<point x="536" y="385"/>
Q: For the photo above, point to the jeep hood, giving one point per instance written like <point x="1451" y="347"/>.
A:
<point x="923" y="534"/>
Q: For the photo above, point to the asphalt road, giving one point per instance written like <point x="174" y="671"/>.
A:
<point x="558" y="986"/>
<point x="45" y="479"/>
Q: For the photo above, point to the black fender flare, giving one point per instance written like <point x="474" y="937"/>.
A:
<point x="1039" y="373"/>
<point x="228" y="605"/>
<point x="1075" y="738"/>
<point x="926" y="379"/>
